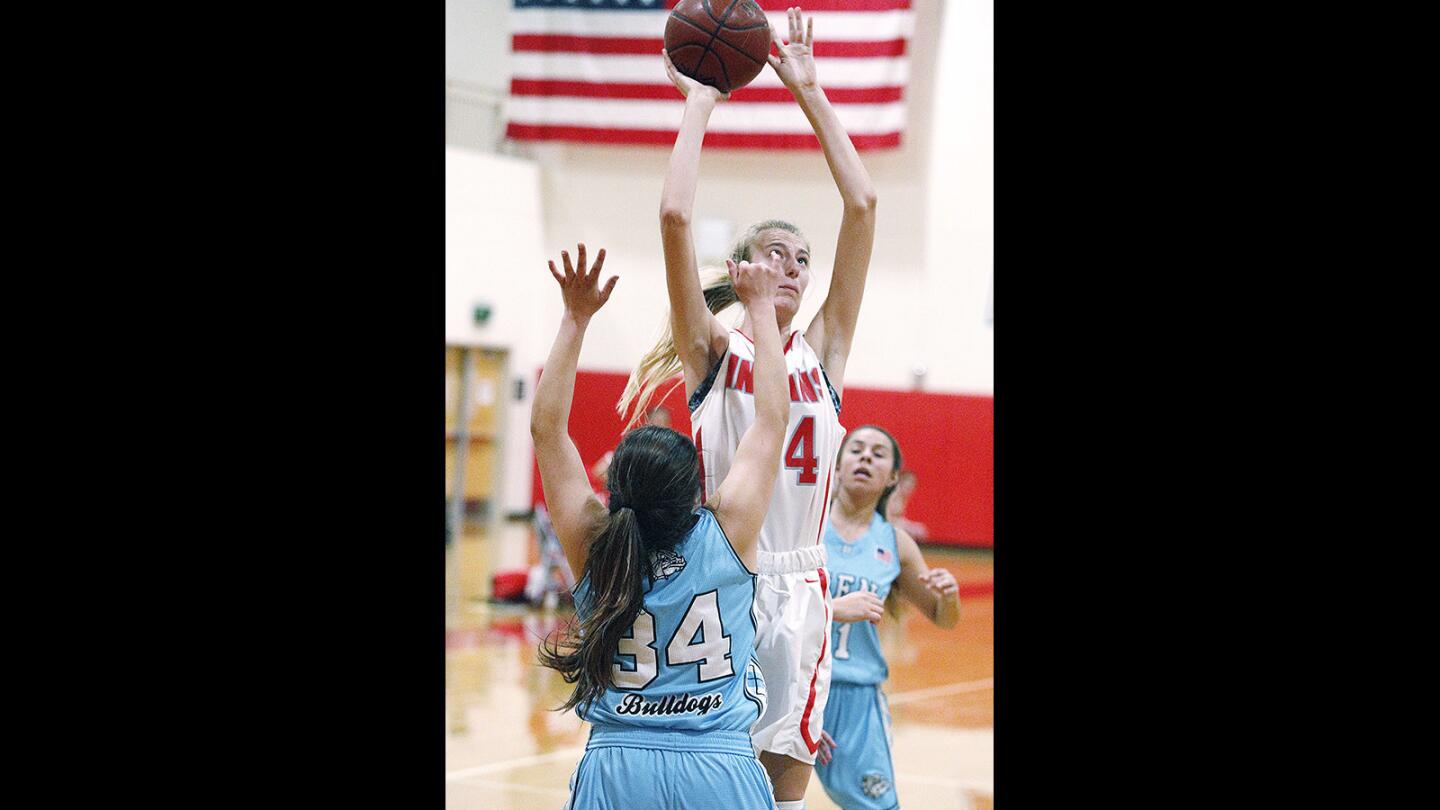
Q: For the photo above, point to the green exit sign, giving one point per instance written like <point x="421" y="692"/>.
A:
<point x="482" y="314"/>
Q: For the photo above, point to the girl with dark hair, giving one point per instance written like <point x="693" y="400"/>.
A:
<point x="662" y="658"/>
<point x="871" y="563"/>
<point x="794" y="613"/>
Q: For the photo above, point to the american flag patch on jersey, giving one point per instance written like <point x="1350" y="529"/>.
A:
<point x="883" y="555"/>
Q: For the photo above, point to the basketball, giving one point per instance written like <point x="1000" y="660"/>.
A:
<point x="712" y="595"/>
<point x="721" y="43"/>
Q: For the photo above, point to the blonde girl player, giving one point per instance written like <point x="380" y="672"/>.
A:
<point x="871" y="562"/>
<point x="718" y="367"/>
<point x="662" y="659"/>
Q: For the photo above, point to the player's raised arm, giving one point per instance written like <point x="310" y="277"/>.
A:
<point x="743" y="498"/>
<point x="834" y="325"/>
<point x="700" y="338"/>
<point x="575" y="512"/>
<point x="933" y="590"/>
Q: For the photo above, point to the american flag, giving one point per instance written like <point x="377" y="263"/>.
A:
<point x="590" y="70"/>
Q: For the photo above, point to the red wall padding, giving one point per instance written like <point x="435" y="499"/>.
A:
<point x="947" y="439"/>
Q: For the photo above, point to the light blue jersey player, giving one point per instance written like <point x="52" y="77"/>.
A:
<point x="869" y="564"/>
<point x="662" y="657"/>
<point x="685" y="680"/>
<point x="868" y="557"/>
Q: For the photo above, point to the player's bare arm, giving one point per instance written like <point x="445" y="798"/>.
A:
<point x="833" y="327"/>
<point x="933" y="590"/>
<point x="743" y="498"/>
<point x="858" y="606"/>
<point x="575" y="512"/>
<point x="700" y="338"/>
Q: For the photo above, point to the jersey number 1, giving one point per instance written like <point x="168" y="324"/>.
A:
<point x="842" y="650"/>
<point x="800" y="452"/>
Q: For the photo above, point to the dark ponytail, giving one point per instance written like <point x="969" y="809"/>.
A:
<point x="654" y="486"/>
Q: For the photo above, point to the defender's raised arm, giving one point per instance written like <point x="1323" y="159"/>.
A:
<point x="574" y="509"/>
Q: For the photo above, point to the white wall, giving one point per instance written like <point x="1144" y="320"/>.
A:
<point x="934" y="252"/>
<point x="960" y="260"/>
<point x="492" y="238"/>
<point x="477" y="42"/>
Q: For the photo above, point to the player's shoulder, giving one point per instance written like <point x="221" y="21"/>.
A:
<point x="905" y="544"/>
<point x="885" y="534"/>
<point x="712" y="541"/>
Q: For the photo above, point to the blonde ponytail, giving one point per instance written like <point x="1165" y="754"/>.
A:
<point x="661" y="363"/>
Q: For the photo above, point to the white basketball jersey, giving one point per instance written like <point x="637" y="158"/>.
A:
<point x="723" y="408"/>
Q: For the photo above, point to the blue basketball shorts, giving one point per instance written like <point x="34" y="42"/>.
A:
<point x="625" y="768"/>
<point x="861" y="776"/>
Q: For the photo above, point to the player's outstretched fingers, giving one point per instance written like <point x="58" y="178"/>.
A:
<point x="599" y="263"/>
<point x="776" y="59"/>
<point x="824" y="749"/>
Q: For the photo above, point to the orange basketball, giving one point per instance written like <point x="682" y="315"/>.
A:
<point x="721" y="43"/>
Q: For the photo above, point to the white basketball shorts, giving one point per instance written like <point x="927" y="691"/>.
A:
<point x="792" y="612"/>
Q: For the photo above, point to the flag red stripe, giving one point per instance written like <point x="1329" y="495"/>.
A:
<point x="811" y="6"/>
<point x="667" y="92"/>
<point x="644" y="46"/>
<point x="561" y="43"/>
<point x="664" y="137"/>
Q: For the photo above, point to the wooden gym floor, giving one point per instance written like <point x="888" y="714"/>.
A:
<point x="505" y="749"/>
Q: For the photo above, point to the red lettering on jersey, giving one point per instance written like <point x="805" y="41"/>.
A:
<point x="730" y="370"/>
<point x="807" y="388"/>
<point x="794" y="392"/>
<point x="744" y="377"/>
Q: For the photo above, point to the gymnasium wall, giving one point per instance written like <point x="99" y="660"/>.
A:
<point x="929" y="289"/>
<point x="946" y="439"/>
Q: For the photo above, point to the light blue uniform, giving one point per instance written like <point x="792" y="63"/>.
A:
<point x="675" y="730"/>
<point x="862" y="774"/>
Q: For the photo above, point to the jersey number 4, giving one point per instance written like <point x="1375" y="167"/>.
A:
<point x="700" y="639"/>
<point x="800" y="452"/>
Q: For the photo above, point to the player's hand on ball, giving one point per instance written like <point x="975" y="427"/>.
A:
<point x="796" y="63"/>
<point x="859" y="606"/>
<point x="688" y="86"/>
<point x="755" y="282"/>
<point x="822" y="751"/>
<point x="581" y="290"/>
<point x="940" y="581"/>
